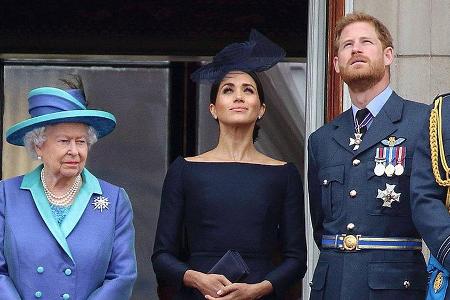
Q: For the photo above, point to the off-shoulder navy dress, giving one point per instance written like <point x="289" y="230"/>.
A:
<point x="251" y="208"/>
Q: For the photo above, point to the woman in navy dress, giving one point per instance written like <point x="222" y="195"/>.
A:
<point x="232" y="197"/>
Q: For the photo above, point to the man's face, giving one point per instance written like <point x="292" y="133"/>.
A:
<point x="361" y="60"/>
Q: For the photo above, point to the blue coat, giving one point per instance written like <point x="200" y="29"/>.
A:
<point x="343" y="189"/>
<point x="430" y="215"/>
<point x="90" y="256"/>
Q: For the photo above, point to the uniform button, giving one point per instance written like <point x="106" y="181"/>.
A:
<point x="66" y="296"/>
<point x="350" y="226"/>
<point x="67" y="272"/>
<point x="38" y="294"/>
<point x="310" y="283"/>
<point x="406" y="284"/>
<point x="325" y="182"/>
<point x="356" y="162"/>
<point x="40" y="270"/>
<point x="353" y="193"/>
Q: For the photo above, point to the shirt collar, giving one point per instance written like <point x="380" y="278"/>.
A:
<point x="376" y="104"/>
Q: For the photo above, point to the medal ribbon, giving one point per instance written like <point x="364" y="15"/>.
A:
<point x="390" y="157"/>
<point x="367" y="119"/>
<point x="400" y="155"/>
<point x="380" y="154"/>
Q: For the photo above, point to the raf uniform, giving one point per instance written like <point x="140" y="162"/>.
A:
<point x="369" y="247"/>
<point x="430" y="195"/>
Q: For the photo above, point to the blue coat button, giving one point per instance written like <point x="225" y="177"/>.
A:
<point x="40" y="270"/>
<point x="66" y="296"/>
<point x="38" y="294"/>
<point x="67" y="272"/>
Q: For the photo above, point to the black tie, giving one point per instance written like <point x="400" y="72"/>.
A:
<point x="363" y="118"/>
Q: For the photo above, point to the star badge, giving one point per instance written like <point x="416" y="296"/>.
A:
<point x="388" y="195"/>
<point x="100" y="203"/>
<point x="356" y="141"/>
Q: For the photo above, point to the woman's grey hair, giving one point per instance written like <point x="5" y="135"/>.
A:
<point x="36" y="137"/>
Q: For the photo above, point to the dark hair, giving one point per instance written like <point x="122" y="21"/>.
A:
<point x="215" y="89"/>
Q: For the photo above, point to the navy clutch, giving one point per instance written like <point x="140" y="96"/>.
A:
<point x="232" y="266"/>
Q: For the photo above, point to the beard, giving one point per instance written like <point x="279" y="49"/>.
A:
<point x="362" y="79"/>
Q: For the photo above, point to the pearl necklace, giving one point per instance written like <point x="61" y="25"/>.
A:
<point x="65" y="199"/>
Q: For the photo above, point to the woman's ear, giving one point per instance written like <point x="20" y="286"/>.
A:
<point x="212" y="110"/>
<point x="262" y="111"/>
<point x="38" y="150"/>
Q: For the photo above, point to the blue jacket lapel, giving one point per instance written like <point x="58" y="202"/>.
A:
<point x="32" y="182"/>
<point x="90" y="186"/>
<point x="383" y="124"/>
<point x="345" y="129"/>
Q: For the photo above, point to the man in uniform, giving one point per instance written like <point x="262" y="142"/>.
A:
<point x="359" y="172"/>
<point x="430" y="195"/>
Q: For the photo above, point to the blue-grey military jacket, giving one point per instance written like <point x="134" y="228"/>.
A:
<point x="343" y="190"/>
<point x="430" y="215"/>
<point x="90" y="256"/>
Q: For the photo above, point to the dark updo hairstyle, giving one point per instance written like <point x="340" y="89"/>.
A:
<point x="215" y="89"/>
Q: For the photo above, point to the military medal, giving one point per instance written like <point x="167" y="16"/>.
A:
<point x="380" y="160"/>
<point x="388" y="195"/>
<point x="390" y="169"/>
<point x="399" y="167"/>
<point x="355" y="142"/>
<point x="100" y="203"/>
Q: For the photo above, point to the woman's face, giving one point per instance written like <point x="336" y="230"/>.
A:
<point x="237" y="101"/>
<point x="65" y="150"/>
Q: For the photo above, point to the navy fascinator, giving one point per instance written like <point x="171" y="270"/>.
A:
<point x="256" y="55"/>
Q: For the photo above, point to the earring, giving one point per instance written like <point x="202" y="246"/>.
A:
<point x="215" y="117"/>
<point x="39" y="158"/>
<point x="259" y="117"/>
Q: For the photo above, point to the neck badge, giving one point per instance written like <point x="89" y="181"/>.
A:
<point x="388" y="195"/>
<point x="355" y="142"/>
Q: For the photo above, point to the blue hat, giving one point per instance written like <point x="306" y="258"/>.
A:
<point x="48" y="105"/>
<point x="256" y="55"/>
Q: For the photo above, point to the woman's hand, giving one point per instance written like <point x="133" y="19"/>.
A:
<point x="207" y="284"/>
<point x="243" y="291"/>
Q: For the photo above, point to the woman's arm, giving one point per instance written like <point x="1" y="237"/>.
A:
<point x="292" y="235"/>
<point x="122" y="273"/>
<point x="169" y="269"/>
<point x="7" y="288"/>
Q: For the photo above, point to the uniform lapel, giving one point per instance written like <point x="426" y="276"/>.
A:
<point x="32" y="182"/>
<point x="345" y="129"/>
<point x="384" y="124"/>
<point x="89" y="187"/>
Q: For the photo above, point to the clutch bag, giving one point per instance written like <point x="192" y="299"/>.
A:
<point x="232" y="266"/>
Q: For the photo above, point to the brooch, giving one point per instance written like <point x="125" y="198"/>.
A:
<point x="100" y="203"/>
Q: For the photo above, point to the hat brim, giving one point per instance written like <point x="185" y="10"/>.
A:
<point x="103" y="122"/>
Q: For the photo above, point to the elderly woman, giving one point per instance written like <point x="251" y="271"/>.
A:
<point x="64" y="234"/>
<point x="232" y="197"/>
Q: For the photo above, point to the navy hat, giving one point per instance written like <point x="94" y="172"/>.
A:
<point x="48" y="105"/>
<point x="256" y="55"/>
